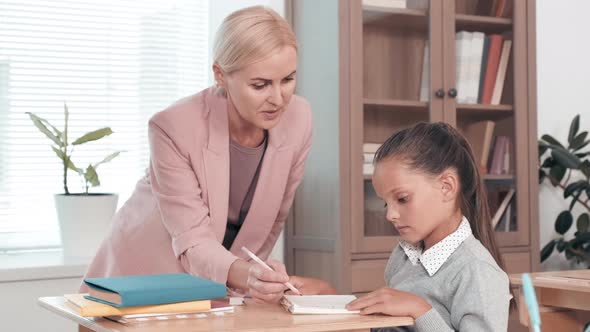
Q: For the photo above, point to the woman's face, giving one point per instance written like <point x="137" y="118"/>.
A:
<point x="260" y="92"/>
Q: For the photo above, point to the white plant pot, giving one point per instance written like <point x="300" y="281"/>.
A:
<point x="84" y="220"/>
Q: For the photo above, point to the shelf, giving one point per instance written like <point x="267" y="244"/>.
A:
<point x="499" y="180"/>
<point x="484" y="109"/>
<point x="498" y="177"/>
<point x="398" y="105"/>
<point x="395" y="17"/>
<point x="482" y="23"/>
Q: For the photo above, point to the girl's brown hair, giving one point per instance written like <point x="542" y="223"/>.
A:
<point x="435" y="147"/>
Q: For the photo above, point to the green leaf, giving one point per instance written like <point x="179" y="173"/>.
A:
<point x="59" y="153"/>
<point x="585" y="168"/>
<point x="582" y="238"/>
<point x="66" y="117"/>
<point x="563" y="222"/>
<point x="557" y="172"/>
<point x="73" y="167"/>
<point x="566" y="158"/>
<point x="560" y="246"/>
<point x="91" y="177"/>
<point x="547" y="250"/>
<point x="549" y="162"/>
<point x="579" y="141"/>
<point x="575" y="199"/>
<point x="582" y="154"/>
<point x="573" y="187"/>
<point x="93" y="136"/>
<point x="63" y="157"/>
<point x="582" y="223"/>
<point x="41" y="125"/>
<point x="549" y="139"/>
<point x="108" y="158"/>
<point x="574" y="126"/>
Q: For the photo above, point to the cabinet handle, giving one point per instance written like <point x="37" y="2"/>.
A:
<point x="440" y="93"/>
<point x="452" y="92"/>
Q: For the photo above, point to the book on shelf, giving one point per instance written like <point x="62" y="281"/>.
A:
<point x="501" y="73"/>
<point x="368" y="169"/>
<point x="425" y="77"/>
<point x="503" y="210"/>
<point x="479" y="134"/>
<point x="500" y="163"/>
<point x="482" y="69"/>
<point x="89" y="308"/>
<point x="371" y="147"/>
<point x="129" y="291"/>
<point x="462" y="56"/>
<point x="481" y="66"/>
<point x="383" y="4"/>
<point x="368" y="157"/>
<point x="474" y="66"/>
<point x="502" y="8"/>
<point x="491" y="71"/>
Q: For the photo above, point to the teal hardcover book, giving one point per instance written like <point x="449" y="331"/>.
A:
<point x="130" y="291"/>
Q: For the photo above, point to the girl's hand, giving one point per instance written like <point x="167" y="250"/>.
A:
<point x="391" y="302"/>
<point x="265" y="285"/>
<point x="312" y="286"/>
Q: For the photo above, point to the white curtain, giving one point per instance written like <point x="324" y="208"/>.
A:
<point x="115" y="63"/>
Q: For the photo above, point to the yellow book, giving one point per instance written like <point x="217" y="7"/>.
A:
<point x="88" y="308"/>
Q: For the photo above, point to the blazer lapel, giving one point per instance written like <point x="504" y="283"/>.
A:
<point x="216" y="160"/>
<point x="268" y="195"/>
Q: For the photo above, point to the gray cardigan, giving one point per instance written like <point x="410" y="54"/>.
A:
<point x="468" y="293"/>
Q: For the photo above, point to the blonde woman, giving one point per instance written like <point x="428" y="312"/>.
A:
<point x="225" y="164"/>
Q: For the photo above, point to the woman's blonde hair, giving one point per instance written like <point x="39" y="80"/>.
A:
<point x="249" y="35"/>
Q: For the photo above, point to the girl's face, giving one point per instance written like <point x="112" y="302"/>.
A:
<point x="260" y="92"/>
<point x="420" y="206"/>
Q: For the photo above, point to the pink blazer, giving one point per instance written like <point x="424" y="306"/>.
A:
<point x="175" y="220"/>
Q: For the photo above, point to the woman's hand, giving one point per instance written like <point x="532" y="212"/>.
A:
<point x="262" y="284"/>
<point x="265" y="285"/>
<point x="391" y="302"/>
<point x="311" y="286"/>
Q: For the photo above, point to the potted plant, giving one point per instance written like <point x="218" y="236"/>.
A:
<point x="567" y="167"/>
<point x="83" y="217"/>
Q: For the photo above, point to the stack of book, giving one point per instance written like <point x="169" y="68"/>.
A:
<point x="369" y="150"/>
<point x="381" y="5"/>
<point x="492" y="155"/>
<point x="138" y="297"/>
<point x="481" y="66"/>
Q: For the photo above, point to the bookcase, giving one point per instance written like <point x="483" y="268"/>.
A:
<point x="363" y="72"/>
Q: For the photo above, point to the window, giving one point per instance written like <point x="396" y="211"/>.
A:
<point x="115" y="63"/>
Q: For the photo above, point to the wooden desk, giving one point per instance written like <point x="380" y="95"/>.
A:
<point x="563" y="296"/>
<point x="250" y="317"/>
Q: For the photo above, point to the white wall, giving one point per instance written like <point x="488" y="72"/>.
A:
<point x="563" y="80"/>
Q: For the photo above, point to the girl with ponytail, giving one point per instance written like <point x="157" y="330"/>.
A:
<point x="446" y="271"/>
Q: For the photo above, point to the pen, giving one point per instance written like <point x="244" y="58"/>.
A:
<point x="259" y="261"/>
<point x="531" y="302"/>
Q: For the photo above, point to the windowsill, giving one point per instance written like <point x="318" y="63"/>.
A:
<point x="40" y="265"/>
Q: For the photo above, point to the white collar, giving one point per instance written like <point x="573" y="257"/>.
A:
<point x="433" y="258"/>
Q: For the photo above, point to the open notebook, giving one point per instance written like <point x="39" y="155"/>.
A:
<point x="318" y="304"/>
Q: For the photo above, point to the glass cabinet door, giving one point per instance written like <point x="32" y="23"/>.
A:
<point x="393" y="62"/>
<point x="490" y="104"/>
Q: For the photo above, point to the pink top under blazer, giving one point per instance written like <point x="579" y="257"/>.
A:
<point x="176" y="218"/>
